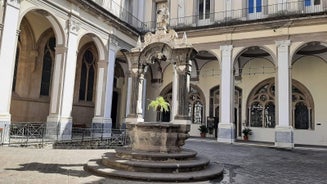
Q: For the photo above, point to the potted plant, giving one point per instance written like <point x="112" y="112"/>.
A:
<point x="159" y="105"/>
<point x="203" y="130"/>
<point x="246" y="132"/>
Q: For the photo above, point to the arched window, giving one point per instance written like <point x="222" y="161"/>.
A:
<point x="261" y="106"/>
<point x="302" y="108"/>
<point x="196" y="110"/>
<point x="196" y="104"/>
<point x="88" y="74"/>
<point x="48" y="58"/>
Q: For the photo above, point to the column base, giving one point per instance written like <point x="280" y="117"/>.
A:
<point x="284" y="137"/>
<point x="59" y="128"/>
<point x="133" y="119"/>
<point x="226" y="133"/>
<point x="101" y="127"/>
<point x="181" y="121"/>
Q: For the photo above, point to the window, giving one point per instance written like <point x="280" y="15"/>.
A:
<point x="196" y="104"/>
<point x="204" y="9"/>
<point x="254" y="6"/>
<point x="48" y="58"/>
<point x="196" y="111"/>
<point x="262" y="106"/>
<point x="88" y="73"/>
<point x="311" y="2"/>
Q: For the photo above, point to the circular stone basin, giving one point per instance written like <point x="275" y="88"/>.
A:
<point x="157" y="137"/>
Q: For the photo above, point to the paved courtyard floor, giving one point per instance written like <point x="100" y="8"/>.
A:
<point x="243" y="164"/>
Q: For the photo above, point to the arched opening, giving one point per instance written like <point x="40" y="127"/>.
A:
<point x="85" y="83"/>
<point x="196" y="104"/>
<point x="214" y="108"/>
<point x="34" y="69"/>
<point x="118" y="110"/>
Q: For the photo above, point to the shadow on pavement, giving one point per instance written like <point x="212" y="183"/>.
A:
<point x="64" y="169"/>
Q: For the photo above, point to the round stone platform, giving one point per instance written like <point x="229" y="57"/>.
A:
<point x="153" y="166"/>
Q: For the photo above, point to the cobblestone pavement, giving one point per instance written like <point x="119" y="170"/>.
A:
<point x="243" y="164"/>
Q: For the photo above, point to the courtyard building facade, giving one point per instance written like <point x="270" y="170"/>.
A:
<point x="257" y="63"/>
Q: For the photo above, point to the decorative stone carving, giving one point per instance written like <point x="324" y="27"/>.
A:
<point x="162" y="17"/>
<point x="73" y="26"/>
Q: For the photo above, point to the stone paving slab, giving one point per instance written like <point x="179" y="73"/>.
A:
<point x="244" y="164"/>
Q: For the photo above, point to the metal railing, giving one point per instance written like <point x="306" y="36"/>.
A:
<point x="27" y="134"/>
<point x="120" y="12"/>
<point x="223" y="18"/>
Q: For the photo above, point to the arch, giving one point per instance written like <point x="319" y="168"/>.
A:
<point x="314" y="53"/>
<point x="102" y="50"/>
<point x="261" y="105"/>
<point x="156" y="52"/>
<point x="56" y="26"/>
<point x="264" y="48"/>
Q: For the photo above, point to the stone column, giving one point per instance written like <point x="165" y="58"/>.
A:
<point x="284" y="130"/>
<point x="226" y="127"/>
<point x="174" y="102"/>
<point x="61" y="122"/>
<point x="8" y="44"/>
<point x="183" y="70"/>
<point x="129" y="94"/>
<point x="102" y="120"/>
<point x="136" y="91"/>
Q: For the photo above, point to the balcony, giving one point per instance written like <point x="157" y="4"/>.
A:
<point x="269" y="12"/>
<point x="123" y="14"/>
<point x="241" y="16"/>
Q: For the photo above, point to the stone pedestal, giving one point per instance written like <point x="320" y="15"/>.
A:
<point x="284" y="137"/>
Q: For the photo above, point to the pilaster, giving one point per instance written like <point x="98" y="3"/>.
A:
<point x="284" y="131"/>
<point x="8" y="45"/>
<point x="226" y="127"/>
<point x="59" y="124"/>
<point x="102" y="119"/>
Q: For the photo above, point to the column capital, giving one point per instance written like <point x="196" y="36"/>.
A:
<point x="14" y="3"/>
<point x="60" y="49"/>
<point x="283" y="43"/>
<point x="73" y="25"/>
<point x="102" y="63"/>
<point x="113" y="43"/>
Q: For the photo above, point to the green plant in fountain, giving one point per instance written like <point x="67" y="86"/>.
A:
<point x="159" y="104"/>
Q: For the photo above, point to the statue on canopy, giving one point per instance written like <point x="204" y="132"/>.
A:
<point x="162" y="17"/>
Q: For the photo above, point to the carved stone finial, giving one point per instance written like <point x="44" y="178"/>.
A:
<point x="184" y="38"/>
<point x="162" y="17"/>
<point x="139" y="43"/>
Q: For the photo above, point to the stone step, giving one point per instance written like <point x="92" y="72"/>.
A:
<point x="167" y="166"/>
<point x="127" y="153"/>
<point x="212" y="171"/>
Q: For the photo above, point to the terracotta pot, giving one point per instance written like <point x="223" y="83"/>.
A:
<point x="246" y="138"/>
<point x="203" y="135"/>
